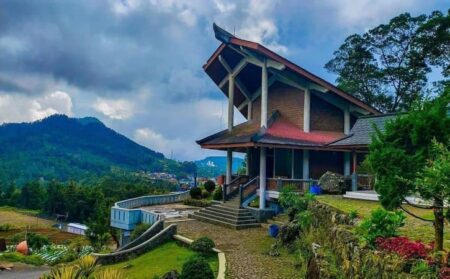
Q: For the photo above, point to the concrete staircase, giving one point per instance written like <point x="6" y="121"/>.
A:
<point x="227" y="214"/>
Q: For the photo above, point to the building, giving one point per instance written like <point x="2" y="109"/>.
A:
<point x="298" y="126"/>
<point x="77" y="228"/>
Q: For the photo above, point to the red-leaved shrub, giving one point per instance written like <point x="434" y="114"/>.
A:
<point x="444" y="273"/>
<point x="405" y="247"/>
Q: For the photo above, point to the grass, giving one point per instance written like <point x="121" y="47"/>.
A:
<point x="159" y="261"/>
<point x="414" y="228"/>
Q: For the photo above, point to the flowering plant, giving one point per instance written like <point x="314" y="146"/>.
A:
<point x="405" y="247"/>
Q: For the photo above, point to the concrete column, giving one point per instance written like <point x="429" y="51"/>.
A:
<point x="262" y="178"/>
<point x="249" y="110"/>
<point x="347" y="163"/>
<point x="230" y="102"/>
<point x="307" y="111"/>
<point x="229" y="166"/>
<point x="346" y="121"/>
<point x="292" y="163"/>
<point x="305" y="164"/>
<point x="264" y="94"/>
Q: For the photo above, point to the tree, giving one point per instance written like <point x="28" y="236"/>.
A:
<point x="399" y="157"/>
<point x="387" y="66"/>
<point x="98" y="225"/>
<point x="32" y="195"/>
<point x="55" y="198"/>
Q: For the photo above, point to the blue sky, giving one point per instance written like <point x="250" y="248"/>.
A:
<point x="137" y="64"/>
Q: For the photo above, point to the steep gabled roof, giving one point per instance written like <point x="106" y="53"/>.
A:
<point x="213" y="70"/>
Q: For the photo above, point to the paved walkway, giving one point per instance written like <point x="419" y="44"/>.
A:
<point x="24" y="271"/>
<point x="246" y="250"/>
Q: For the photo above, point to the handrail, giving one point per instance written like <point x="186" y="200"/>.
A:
<point x="246" y="185"/>
<point x="231" y="188"/>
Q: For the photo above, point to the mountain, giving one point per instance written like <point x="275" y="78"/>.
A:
<point x="64" y="148"/>
<point x="216" y="165"/>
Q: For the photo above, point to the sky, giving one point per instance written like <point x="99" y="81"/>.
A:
<point x="137" y="64"/>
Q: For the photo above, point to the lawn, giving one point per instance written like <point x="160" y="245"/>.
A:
<point x="159" y="261"/>
<point x="414" y="228"/>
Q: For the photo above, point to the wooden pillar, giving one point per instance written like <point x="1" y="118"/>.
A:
<point x="247" y="163"/>
<point x="346" y="121"/>
<point x="262" y="178"/>
<point x="305" y="164"/>
<point x="307" y="111"/>
<point x="354" y="161"/>
<point x="347" y="163"/>
<point x="230" y="102"/>
<point x="264" y="94"/>
<point x="249" y="110"/>
<point x="292" y="163"/>
<point x="229" y="166"/>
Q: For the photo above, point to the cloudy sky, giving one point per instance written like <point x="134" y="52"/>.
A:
<point x="137" y="64"/>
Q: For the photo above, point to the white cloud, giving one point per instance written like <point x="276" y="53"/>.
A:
<point x="114" y="108"/>
<point x="158" y="142"/>
<point x="20" y="108"/>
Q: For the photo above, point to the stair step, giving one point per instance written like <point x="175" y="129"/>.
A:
<point x="224" y="224"/>
<point x="236" y="221"/>
<point x="227" y="214"/>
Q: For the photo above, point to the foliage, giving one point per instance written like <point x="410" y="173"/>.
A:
<point x="196" y="268"/>
<point x="109" y="274"/>
<point x="387" y="66"/>
<point x="404" y="247"/>
<point x="199" y="203"/>
<point x="444" y="273"/>
<point x="205" y="194"/>
<point x="195" y="192"/>
<point x="217" y="195"/>
<point x="353" y="214"/>
<point x="6" y="227"/>
<point x="405" y="156"/>
<point x="139" y="230"/>
<point x="86" y="265"/>
<point x="304" y="219"/>
<point x="32" y="195"/>
<point x="63" y="148"/>
<point x="209" y="186"/>
<point x="17" y="257"/>
<point x="203" y="245"/>
<point x="421" y="268"/>
<point x="34" y="240"/>
<point x="382" y="223"/>
<point x="289" y="233"/>
<point x="292" y="199"/>
<point x="98" y="225"/>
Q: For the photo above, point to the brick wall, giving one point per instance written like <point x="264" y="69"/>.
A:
<point x="325" y="116"/>
<point x="284" y="98"/>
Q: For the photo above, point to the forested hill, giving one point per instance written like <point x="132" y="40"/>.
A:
<point x="63" y="148"/>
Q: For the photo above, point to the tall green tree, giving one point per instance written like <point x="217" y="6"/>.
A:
<point x="400" y="156"/>
<point x="32" y="195"/>
<point x="387" y="66"/>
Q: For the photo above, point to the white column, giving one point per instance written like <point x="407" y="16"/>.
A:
<point x="264" y="94"/>
<point x="262" y="178"/>
<point x="305" y="164"/>
<point x="346" y="121"/>
<point x="307" y="111"/>
<point x="229" y="166"/>
<point x="347" y="163"/>
<point x="230" y="102"/>
<point x="249" y="110"/>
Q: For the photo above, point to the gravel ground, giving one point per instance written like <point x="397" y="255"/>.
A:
<point x="246" y="251"/>
<point x="24" y="271"/>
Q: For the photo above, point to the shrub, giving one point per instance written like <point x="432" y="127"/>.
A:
<point x="404" y="247"/>
<point x="381" y="223"/>
<point x="195" y="192"/>
<point x="205" y="194"/>
<point x="196" y="268"/>
<point x="209" y="186"/>
<point x="304" y="220"/>
<point x="17" y="257"/>
<point x="86" y="265"/>
<point x="199" y="203"/>
<point x="292" y="199"/>
<point x="421" y="268"/>
<point x="34" y="240"/>
<point x="217" y="196"/>
<point x="353" y="214"/>
<point x="444" y="273"/>
<point x="138" y="230"/>
<point x="203" y="245"/>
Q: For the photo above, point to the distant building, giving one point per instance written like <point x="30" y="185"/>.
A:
<point x="77" y="228"/>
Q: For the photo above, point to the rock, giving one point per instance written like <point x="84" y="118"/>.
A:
<point x="332" y="183"/>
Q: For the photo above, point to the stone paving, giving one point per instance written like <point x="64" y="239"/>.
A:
<point x="246" y="251"/>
